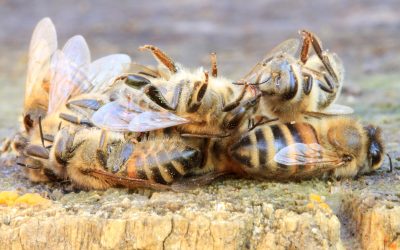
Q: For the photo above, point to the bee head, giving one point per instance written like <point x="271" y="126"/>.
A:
<point x="31" y="117"/>
<point x="375" y="147"/>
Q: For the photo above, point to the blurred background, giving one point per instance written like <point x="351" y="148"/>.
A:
<point x="364" y="33"/>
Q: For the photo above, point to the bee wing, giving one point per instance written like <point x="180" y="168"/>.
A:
<point x="42" y="46"/>
<point x="337" y="109"/>
<point x="144" y="70"/>
<point x="337" y="65"/>
<point x="114" y="116"/>
<point x="148" y="121"/>
<point x="257" y="74"/>
<point x="307" y="155"/>
<point x="68" y="73"/>
<point x="77" y="50"/>
<point x="290" y="46"/>
<point x="102" y="72"/>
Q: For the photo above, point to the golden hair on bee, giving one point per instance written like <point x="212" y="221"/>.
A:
<point x="294" y="85"/>
<point x="336" y="147"/>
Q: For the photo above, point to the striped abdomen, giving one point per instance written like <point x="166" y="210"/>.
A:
<point x="162" y="161"/>
<point x="255" y="150"/>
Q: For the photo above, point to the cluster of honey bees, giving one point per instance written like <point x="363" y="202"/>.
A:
<point x="111" y="122"/>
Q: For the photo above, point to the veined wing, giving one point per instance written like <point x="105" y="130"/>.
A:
<point x="258" y="74"/>
<point x="117" y="117"/>
<point x="103" y="71"/>
<point x="337" y="109"/>
<point x="290" y="46"/>
<point x="149" y="121"/>
<point x="114" y="116"/>
<point x="68" y="76"/>
<point x="307" y="154"/>
<point x="77" y="51"/>
<point x="42" y="46"/>
<point x="144" y="70"/>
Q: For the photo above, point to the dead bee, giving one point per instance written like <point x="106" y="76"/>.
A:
<point x="196" y="104"/>
<point x="72" y="75"/>
<point x="337" y="147"/>
<point x="162" y="156"/>
<point x="96" y="159"/>
<point x="331" y="147"/>
<point x="296" y="87"/>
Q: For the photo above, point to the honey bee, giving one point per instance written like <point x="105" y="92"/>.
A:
<point x="97" y="159"/>
<point x="330" y="147"/>
<point x="296" y="87"/>
<point x="196" y="104"/>
<point x="72" y="75"/>
<point x="114" y="157"/>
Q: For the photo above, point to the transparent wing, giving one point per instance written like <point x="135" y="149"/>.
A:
<point x="290" y="46"/>
<point x="148" y="121"/>
<point x="337" y="65"/>
<point x="102" y="72"/>
<point x="258" y="74"/>
<point x="77" y="51"/>
<point x="337" y="109"/>
<point x="68" y="75"/>
<point x="67" y="80"/>
<point x="307" y="154"/>
<point x="144" y="70"/>
<point x="42" y="46"/>
<point x="114" y="116"/>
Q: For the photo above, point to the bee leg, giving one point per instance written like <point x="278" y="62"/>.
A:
<point x="305" y="47"/>
<point x="134" y="81"/>
<point x="235" y="117"/>
<point x="37" y="151"/>
<point x="151" y="91"/>
<point x="19" y="142"/>
<point x="65" y="147"/>
<point x="5" y="145"/>
<point x="318" y="50"/>
<point x="154" y="93"/>
<point x="101" y="151"/>
<point x="161" y="57"/>
<point x="214" y="67"/>
<point x="76" y="120"/>
<point x="327" y="86"/>
<point x="197" y="95"/>
<point x="237" y="101"/>
<point x="177" y="95"/>
<point x="308" y="83"/>
<point x="191" y="135"/>
<point x="188" y="183"/>
<point x="91" y="104"/>
<point x="260" y="120"/>
<point x="48" y="137"/>
<point x="23" y="162"/>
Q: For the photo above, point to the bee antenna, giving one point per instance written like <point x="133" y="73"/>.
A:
<point x="41" y="131"/>
<point x="390" y="163"/>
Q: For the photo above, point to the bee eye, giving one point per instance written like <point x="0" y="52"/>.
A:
<point x="347" y="158"/>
